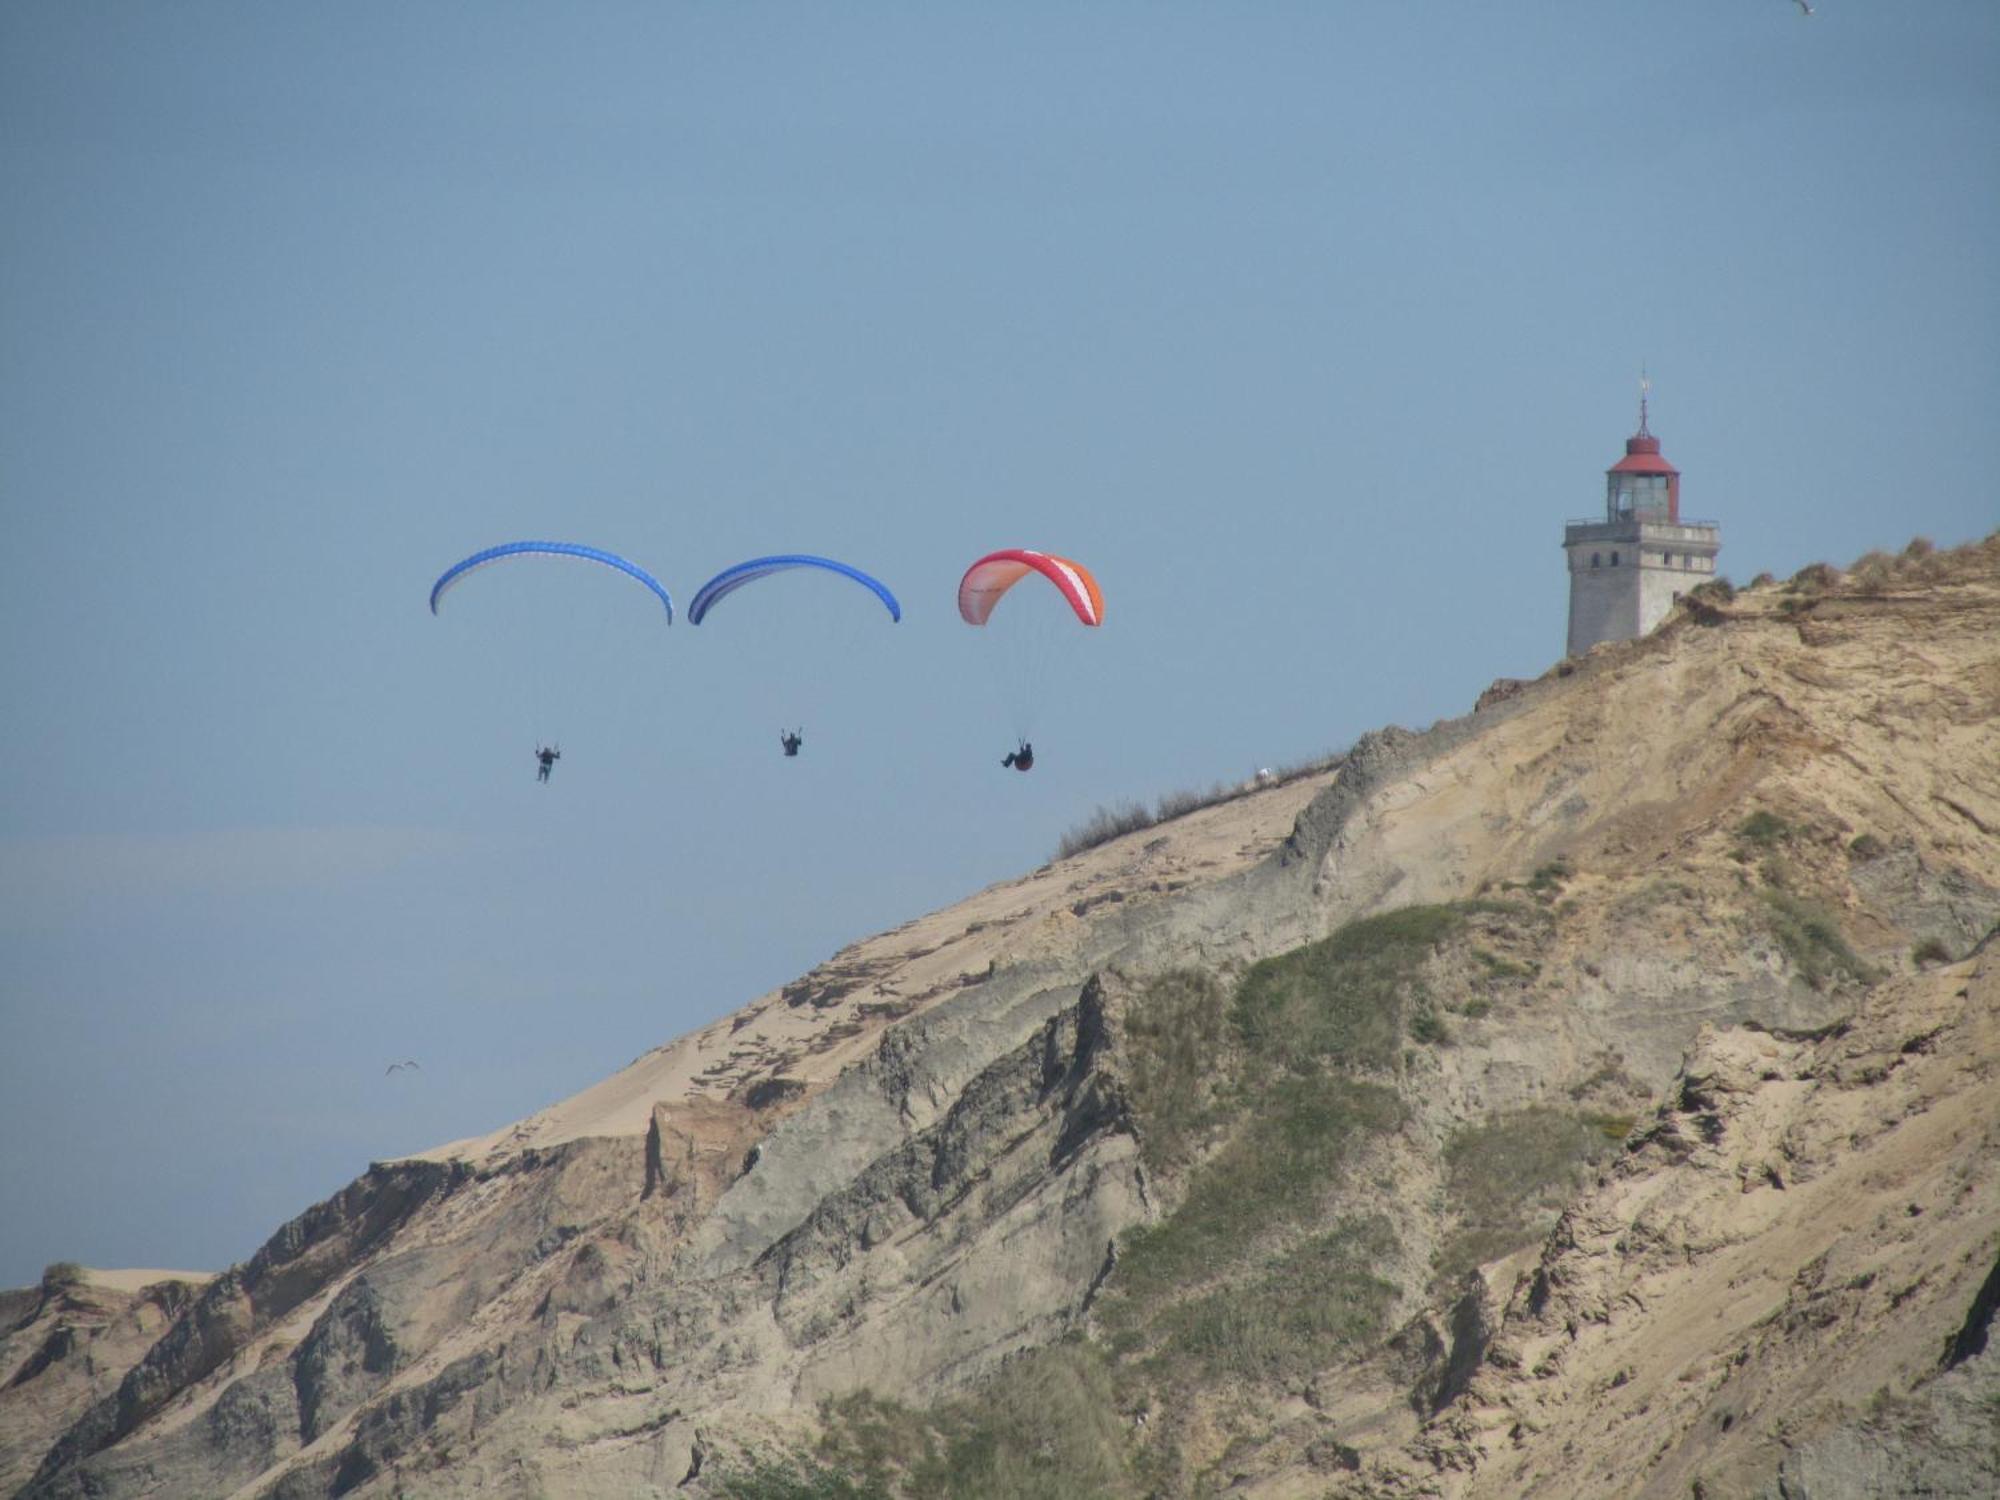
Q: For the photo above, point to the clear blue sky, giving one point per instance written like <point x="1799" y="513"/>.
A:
<point x="1306" y="325"/>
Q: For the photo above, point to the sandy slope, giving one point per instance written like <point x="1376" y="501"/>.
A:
<point x="135" y="1280"/>
<point x="815" y="1028"/>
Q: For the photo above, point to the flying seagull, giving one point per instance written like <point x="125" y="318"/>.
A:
<point x="1804" y="9"/>
<point x="408" y="1062"/>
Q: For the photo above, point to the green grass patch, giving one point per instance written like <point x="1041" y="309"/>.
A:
<point x="1223" y="1283"/>
<point x="1505" y="1180"/>
<point x="1272" y="1176"/>
<point x="1764" y="829"/>
<point x="1527" y="912"/>
<point x="1290" y="1317"/>
<point x="1810" y="935"/>
<point x="1551" y="877"/>
<point x="1428" y="1027"/>
<point x="796" y="1479"/>
<point x="1654" y="895"/>
<point x="880" y="1442"/>
<point x="58" y="1274"/>
<point x="1497" y="967"/>
<point x="1614" y="1128"/>
<point x="1341" y="1001"/>
<point x="1045" y="1424"/>
<point x="1175" y="1033"/>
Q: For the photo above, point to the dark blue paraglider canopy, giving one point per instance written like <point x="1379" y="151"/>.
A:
<point x="548" y="549"/>
<point x="731" y="579"/>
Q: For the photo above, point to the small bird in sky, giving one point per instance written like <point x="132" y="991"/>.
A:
<point x="408" y="1062"/>
<point x="1804" y="9"/>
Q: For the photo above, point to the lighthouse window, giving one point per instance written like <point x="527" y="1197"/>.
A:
<point x="1594" y="558"/>
<point x="1614" y="559"/>
<point x="1667" y="558"/>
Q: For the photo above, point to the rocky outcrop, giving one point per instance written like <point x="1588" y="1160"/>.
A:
<point x="294" y="1265"/>
<point x="65" y="1345"/>
<point x="978" y="1234"/>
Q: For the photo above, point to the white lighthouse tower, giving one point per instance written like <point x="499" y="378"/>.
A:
<point x="1627" y="568"/>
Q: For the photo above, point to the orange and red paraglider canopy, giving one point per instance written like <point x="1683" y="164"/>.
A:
<point x="990" y="578"/>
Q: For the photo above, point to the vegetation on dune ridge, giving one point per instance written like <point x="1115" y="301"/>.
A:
<point x="59" y="1274"/>
<point x="1870" y="576"/>
<point x="1116" y="819"/>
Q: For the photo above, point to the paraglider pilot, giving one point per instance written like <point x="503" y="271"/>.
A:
<point x="792" y="740"/>
<point x="1022" y="759"/>
<point x="548" y="756"/>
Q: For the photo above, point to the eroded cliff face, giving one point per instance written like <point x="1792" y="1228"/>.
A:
<point x="1781" y="1286"/>
<point x="1431" y="985"/>
<point x="66" y="1344"/>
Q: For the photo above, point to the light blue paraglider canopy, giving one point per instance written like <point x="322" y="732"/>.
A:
<point x="548" y="549"/>
<point x="731" y="579"/>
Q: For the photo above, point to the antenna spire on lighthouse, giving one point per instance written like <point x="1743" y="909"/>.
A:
<point x="1645" y="388"/>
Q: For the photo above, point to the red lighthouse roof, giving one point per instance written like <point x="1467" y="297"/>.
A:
<point x="1642" y="449"/>
<point x="1642" y="456"/>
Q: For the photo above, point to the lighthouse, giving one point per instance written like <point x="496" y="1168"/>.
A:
<point x="1628" y="566"/>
